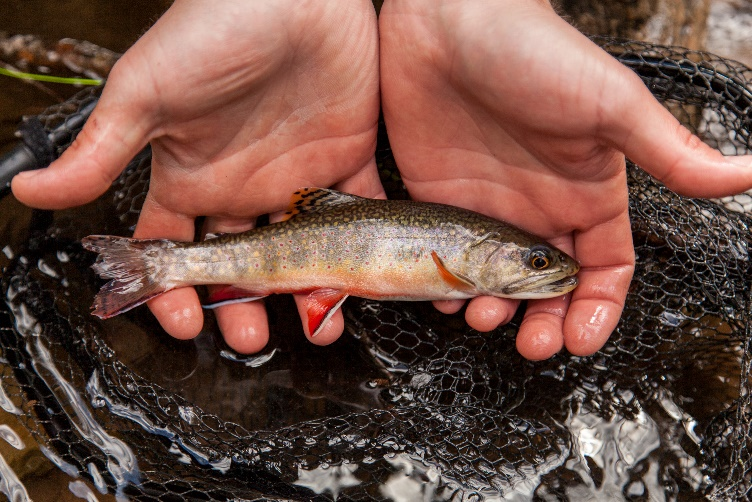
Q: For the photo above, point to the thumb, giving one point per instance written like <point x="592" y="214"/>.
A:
<point x="649" y="135"/>
<point x="114" y="133"/>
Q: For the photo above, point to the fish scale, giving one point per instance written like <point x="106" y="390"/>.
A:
<point x="332" y="245"/>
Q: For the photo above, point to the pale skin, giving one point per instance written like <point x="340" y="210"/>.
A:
<point x="497" y="106"/>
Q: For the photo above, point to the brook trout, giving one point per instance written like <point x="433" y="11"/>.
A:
<point x="332" y="245"/>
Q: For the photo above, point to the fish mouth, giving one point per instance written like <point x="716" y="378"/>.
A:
<point x="533" y="288"/>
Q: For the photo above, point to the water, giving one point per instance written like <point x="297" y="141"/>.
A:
<point x="114" y="25"/>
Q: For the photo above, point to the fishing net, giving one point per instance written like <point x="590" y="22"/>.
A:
<point x="410" y="404"/>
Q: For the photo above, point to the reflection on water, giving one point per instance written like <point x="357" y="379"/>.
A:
<point x="114" y="25"/>
<point x="10" y="485"/>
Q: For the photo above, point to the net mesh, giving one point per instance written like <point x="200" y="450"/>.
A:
<point x="411" y="404"/>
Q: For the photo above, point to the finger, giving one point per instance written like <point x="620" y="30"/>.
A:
<point x="486" y="313"/>
<point x="178" y="311"/>
<point x="541" y="333"/>
<point x="449" y="306"/>
<point x="114" y="133"/>
<point x="595" y="312"/>
<point x="606" y="254"/>
<point x="244" y="326"/>
<point x="330" y="331"/>
<point x="654" y="139"/>
<point x="365" y="182"/>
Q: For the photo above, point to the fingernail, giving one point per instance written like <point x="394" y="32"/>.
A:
<point x="27" y="175"/>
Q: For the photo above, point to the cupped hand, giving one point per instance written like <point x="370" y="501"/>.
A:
<point x="502" y="107"/>
<point x="243" y="103"/>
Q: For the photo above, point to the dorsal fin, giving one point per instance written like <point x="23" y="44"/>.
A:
<point x="311" y="200"/>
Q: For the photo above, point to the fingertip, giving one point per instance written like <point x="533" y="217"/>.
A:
<point x="538" y="342"/>
<point x="486" y="313"/>
<point x="541" y="333"/>
<point x="244" y="326"/>
<point x="330" y="332"/>
<point x="179" y="312"/>
<point x="448" y="306"/>
<point x="588" y="326"/>
<point x="22" y="185"/>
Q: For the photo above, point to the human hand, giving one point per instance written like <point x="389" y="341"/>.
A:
<point x="243" y="103"/>
<point x="503" y="108"/>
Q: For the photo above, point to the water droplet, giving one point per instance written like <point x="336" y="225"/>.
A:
<point x="46" y="269"/>
<point x="11" y="437"/>
<point x="188" y="415"/>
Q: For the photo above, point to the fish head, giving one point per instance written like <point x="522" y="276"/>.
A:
<point x="523" y="270"/>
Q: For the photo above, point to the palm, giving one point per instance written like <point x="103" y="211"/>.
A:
<point x="482" y="123"/>
<point x="243" y="103"/>
<point x="254" y="111"/>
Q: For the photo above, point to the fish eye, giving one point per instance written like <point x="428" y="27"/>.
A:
<point x="539" y="258"/>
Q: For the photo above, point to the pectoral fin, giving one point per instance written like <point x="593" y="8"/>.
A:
<point x="456" y="281"/>
<point x="227" y="295"/>
<point x="321" y="305"/>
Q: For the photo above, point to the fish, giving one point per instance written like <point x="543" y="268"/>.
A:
<point x="332" y="245"/>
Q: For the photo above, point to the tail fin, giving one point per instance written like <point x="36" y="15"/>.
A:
<point x="131" y="265"/>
